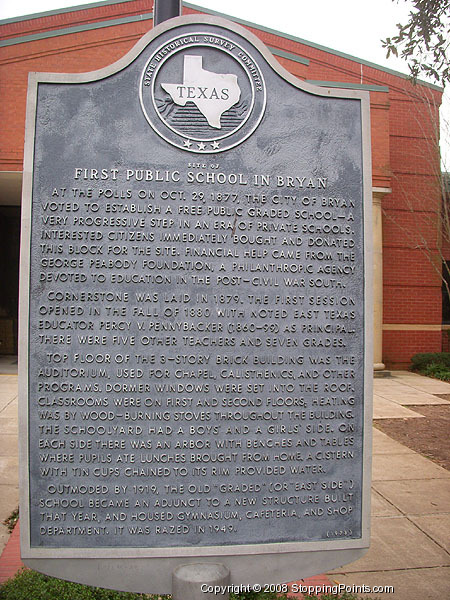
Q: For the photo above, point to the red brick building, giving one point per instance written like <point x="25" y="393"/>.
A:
<point x="405" y="161"/>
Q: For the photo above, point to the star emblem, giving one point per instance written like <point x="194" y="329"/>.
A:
<point x="188" y="143"/>
<point x="215" y="145"/>
<point x="201" y="146"/>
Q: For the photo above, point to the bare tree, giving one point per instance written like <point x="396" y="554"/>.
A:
<point x="425" y="223"/>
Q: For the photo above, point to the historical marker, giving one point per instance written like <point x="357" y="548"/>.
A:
<point x="195" y="316"/>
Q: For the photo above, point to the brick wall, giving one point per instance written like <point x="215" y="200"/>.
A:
<point x="403" y="124"/>
<point x="399" y="346"/>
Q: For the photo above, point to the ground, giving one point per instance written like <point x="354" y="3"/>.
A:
<point x="429" y="436"/>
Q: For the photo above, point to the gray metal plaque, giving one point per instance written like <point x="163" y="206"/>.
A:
<point x="195" y="317"/>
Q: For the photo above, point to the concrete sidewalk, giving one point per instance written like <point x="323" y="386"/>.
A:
<point x="410" y="499"/>
<point x="9" y="461"/>
<point x="410" y="548"/>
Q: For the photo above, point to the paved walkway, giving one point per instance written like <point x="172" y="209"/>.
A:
<point x="9" y="475"/>
<point x="410" y="547"/>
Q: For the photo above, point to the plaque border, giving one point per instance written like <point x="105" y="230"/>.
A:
<point x="303" y="558"/>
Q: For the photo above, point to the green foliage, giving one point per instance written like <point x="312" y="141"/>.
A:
<point x="11" y="521"/>
<point x="423" y="359"/>
<point x="344" y="596"/>
<point x="423" y="40"/>
<point x="432" y="364"/>
<point x="437" y="371"/>
<point x="258" y="596"/>
<point x="31" y="585"/>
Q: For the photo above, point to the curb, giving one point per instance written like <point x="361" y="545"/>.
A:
<point x="10" y="561"/>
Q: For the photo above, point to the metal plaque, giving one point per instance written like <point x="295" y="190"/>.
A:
<point x="195" y="358"/>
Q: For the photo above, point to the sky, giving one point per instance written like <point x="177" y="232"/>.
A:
<point x="351" y="26"/>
